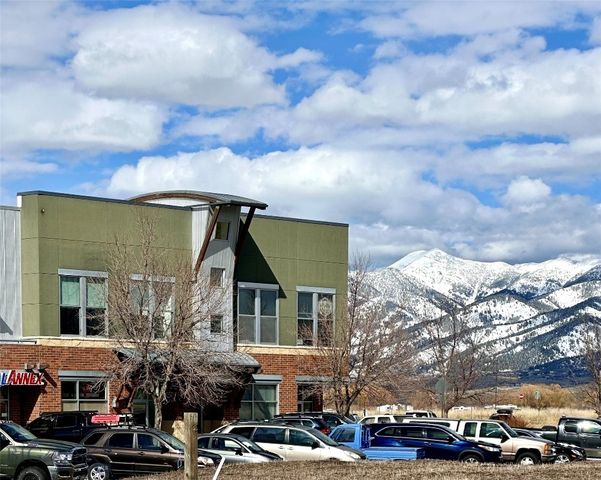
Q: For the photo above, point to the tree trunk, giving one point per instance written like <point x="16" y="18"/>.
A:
<point x="158" y="413"/>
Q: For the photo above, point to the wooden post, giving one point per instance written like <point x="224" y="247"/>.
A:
<point x="191" y="441"/>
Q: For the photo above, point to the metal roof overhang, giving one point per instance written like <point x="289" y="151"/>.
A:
<point x="209" y="197"/>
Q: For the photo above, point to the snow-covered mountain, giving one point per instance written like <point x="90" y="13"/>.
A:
<point x="527" y="315"/>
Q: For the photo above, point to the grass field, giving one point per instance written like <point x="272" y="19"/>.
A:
<point x="424" y="469"/>
<point x="532" y="417"/>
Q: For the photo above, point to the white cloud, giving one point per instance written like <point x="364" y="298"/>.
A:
<point x="391" y="208"/>
<point x="50" y="113"/>
<point x="169" y="53"/>
<point x="22" y="167"/>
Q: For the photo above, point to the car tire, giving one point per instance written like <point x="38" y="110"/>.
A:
<point x="527" y="459"/>
<point x="33" y="473"/>
<point x="99" y="471"/>
<point x="471" y="458"/>
<point x="562" y="458"/>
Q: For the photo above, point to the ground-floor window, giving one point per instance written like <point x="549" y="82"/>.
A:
<point x="259" y="402"/>
<point x="86" y="394"/>
<point x="4" y="403"/>
<point x="309" y="397"/>
<point x="143" y="410"/>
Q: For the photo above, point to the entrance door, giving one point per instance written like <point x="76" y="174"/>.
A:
<point x="4" y="413"/>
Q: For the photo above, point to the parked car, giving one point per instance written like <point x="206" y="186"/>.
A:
<point x="521" y="450"/>
<point x="311" y="422"/>
<point x="332" y="419"/>
<point x="358" y="436"/>
<point x="420" y="414"/>
<point x="438" y="442"/>
<point x="565" y="452"/>
<point x="235" y="448"/>
<point x="127" y="451"/>
<point x="381" y="419"/>
<point x="582" y="432"/>
<point x="23" y="456"/>
<point x="293" y="442"/>
<point x="69" y="426"/>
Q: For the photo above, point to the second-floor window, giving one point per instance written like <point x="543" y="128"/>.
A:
<point x="315" y="315"/>
<point x="257" y="313"/>
<point x="152" y="304"/>
<point x="82" y="303"/>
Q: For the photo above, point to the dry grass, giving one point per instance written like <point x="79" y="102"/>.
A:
<point x="532" y="417"/>
<point x="423" y="469"/>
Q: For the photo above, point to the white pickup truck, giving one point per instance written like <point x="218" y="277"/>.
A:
<point x="521" y="450"/>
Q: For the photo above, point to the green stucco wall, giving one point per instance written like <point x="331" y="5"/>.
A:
<point x="75" y="233"/>
<point x="292" y="253"/>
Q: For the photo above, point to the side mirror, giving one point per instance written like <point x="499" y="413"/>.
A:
<point x="450" y="440"/>
<point x="164" y="449"/>
<point x="315" y="444"/>
<point x="238" y="451"/>
<point x="4" y="443"/>
<point x="504" y="438"/>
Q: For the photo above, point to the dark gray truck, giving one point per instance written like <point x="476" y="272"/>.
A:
<point x="23" y="456"/>
<point x="582" y="432"/>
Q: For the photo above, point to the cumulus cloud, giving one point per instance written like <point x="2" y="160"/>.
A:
<point x="392" y="209"/>
<point x="169" y="53"/>
<point x="51" y="113"/>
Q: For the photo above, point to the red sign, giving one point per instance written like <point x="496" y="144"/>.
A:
<point x="21" y="378"/>
<point x="521" y="396"/>
<point x="105" y="418"/>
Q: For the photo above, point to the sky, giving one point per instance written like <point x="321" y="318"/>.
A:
<point x="472" y="127"/>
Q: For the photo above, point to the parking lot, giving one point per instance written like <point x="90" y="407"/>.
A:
<point x="423" y="469"/>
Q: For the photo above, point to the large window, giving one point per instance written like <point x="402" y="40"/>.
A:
<point x="83" y="395"/>
<point x="82" y="303"/>
<point x="315" y="315"/>
<point x="258" y="313"/>
<point x="259" y="402"/>
<point x="153" y="299"/>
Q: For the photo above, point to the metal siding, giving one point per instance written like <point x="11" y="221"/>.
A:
<point x="10" y="273"/>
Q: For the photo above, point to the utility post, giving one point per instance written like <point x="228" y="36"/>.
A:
<point x="191" y="450"/>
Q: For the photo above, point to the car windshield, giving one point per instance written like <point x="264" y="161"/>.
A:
<point x="252" y="446"/>
<point x="170" y="440"/>
<point x="17" y="432"/>
<point x="509" y="430"/>
<point x="324" y="438"/>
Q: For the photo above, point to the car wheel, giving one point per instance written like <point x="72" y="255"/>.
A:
<point x="471" y="458"/>
<point x="98" y="471"/>
<point x="32" y="473"/>
<point x="527" y="459"/>
<point x="562" y="458"/>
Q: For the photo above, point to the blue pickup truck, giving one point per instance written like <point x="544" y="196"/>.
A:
<point x="358" y="436"/>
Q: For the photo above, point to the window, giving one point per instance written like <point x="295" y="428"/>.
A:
<point x="315" y="316"/>
<point x="587" y="426"/>
<point x="383" y="420"/>
<point x="389" y="432"/>
<point x="258" y="313"/>
<point x="259" y="402"/>
<point x="203" y="442"/>
<point x="66" y="421"/>
<point x="412" y="432"/>
<point x="270" y="435"/>
<point x="300" y="438"/>
<point x="436" y="434"/>
<point x="152" y="297"/>
<point x="83" y="395"/>
<point x="470" y="429"/>
<point x="490" y="430"/>
<point x="345" y="435"/>
<point x="216" y="277"/>
<point x="216" y="324"/>
<point x="121" y="440"/>
<point x="222" y="230"/>
<point x="93" y="438"/>
<point x="148" y="442"/>
<point x="82" y="303"/>
<point x="244" y="431"/>
<point x="571" y="427"/>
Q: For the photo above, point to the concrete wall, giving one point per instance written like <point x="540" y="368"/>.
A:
<point x="10" y="273"/>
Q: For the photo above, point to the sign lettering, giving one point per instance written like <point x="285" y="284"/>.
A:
<point x="21" y="378"/>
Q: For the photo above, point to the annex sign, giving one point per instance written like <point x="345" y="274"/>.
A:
<point x="21" y="378"/>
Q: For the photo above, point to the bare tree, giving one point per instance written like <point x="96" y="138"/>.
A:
<point x="367" y="351"/>
<point x="159" y="313"/>
<point x="591" y="354"/>
<point x="457" y="361"/>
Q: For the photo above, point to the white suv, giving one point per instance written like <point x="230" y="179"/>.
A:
<point x="293" y="442"/>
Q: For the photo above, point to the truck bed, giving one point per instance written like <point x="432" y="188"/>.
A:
<point x="394" y="453"/>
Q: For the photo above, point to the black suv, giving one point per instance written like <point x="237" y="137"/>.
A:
<point x="69" y="426"/>
<point x="127" y="451"/>
<point x="331" y="419"/>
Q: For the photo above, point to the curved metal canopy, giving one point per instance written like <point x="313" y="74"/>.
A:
<point x="209" y="197"/>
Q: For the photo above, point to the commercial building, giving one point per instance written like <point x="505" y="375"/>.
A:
<point x="284" y="277"/>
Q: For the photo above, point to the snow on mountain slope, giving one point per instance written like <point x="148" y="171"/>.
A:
<point x="527" y="315"/>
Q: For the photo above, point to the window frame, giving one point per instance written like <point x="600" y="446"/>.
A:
<point x="83" y="276"/>
<point x="315" y="291"/>
<point x="252" y="401"/>
<point x="213" y="319"/>
<point x="77" y="401"/>
<point x="167" y="322"/>
<point x="258" y="288"/>
<point x="227" y="231"/>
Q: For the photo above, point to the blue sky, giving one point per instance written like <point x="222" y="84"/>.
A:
<point x="473" y="127"/>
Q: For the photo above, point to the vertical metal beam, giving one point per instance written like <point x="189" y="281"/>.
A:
<point x="207" y="239"/>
